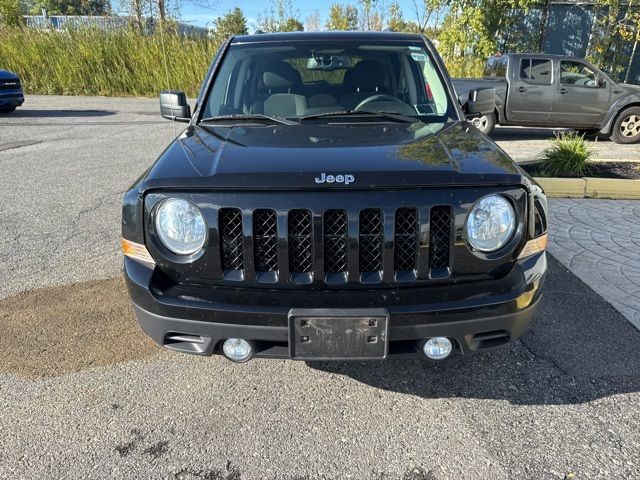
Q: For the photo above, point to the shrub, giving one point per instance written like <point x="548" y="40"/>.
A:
<point x="567" y="156"/>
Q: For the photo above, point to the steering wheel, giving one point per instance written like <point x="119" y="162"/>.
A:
<point x="378" y="98"/>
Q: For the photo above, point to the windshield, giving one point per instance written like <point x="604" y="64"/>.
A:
<point x="320" y="79"/>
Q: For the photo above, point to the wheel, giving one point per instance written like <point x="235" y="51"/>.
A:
<point x="7" y="109"/>
<point x="626" y="128"/>
<point x="485" y="123"/>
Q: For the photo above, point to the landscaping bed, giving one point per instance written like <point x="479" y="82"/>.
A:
<point x="620" y="170"/>
<point x="567" y="168"/>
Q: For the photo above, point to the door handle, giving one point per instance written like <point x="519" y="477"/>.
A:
<point x="521" y="89"/>
<point x="563" y="91"/>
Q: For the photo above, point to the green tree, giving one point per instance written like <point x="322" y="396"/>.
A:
<point x="72" y="7"/>
<point x="370" y="18"/>
<point x="281" y="17"/>
<point x="290" y="25"/>
<point x="477" y="28"/>
<point x="342" y="17"/>
<point x="396" y="21"/>
<point x="11" y="12"/>
<point x="231" y="23"/>
<point x="313" y="22"/>
<point x="428" y="13"/>
<point x="614" y="36"/>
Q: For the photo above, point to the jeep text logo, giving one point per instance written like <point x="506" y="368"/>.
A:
<point x="346" y="178"/>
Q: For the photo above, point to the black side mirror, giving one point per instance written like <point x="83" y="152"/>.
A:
<point x="174" y="106"/>
<point x="600" y="81"/>
<point x="480" y="102"/>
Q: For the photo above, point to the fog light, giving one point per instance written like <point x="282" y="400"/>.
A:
<point x="437" y="348"/>
<point x="237" y="349"/>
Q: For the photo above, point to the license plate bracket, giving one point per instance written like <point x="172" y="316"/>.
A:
<point x="338" y="334"/>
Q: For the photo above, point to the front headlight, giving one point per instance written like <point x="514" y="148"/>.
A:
<point x="490" y="223"/>
<point x="180" y="226"/>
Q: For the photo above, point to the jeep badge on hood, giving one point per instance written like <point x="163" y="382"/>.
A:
<point x="346" y="178"/>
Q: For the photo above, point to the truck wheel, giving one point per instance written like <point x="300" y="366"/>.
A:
<point x="485" y="123"/>
<point x="7" y="109"/>
<point x="626" y="128"/>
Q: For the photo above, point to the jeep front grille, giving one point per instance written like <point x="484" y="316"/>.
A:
<point x="9" y="84"/>
<point x="335" y="246"/>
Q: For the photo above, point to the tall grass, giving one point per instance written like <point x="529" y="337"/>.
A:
<point x="90" y="61"/>
<point x="94" y="62"/>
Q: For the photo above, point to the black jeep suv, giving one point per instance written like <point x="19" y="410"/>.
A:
<point x="328" y="200"/>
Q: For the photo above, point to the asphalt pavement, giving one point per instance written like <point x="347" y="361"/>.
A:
<point x="84" y="394"/>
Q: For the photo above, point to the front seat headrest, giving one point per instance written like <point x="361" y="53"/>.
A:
<point x="281" y="76"/>
<point x="367" y="75"/>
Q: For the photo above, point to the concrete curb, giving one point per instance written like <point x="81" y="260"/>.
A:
<point x="586" y="187"/>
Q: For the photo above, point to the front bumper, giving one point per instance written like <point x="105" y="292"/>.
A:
<point x="477" y="317"/>
<point x="11" y="98"/>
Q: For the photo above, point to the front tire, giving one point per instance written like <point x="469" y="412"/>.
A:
<point x="626" y="128"/>
<point x="485" y="123"/>
<point x="7" y="109"/>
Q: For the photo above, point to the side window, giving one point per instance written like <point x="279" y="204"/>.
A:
<point x="536" y="71"/>
<point x="577" y="74"/>
<point x="501" y="67"/>
<point x="495" y="67"/>
<point x="435" y="89"/>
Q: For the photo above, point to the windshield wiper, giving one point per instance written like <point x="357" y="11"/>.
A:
<point x="250" y="117"/>
<point x="398" y="117"/>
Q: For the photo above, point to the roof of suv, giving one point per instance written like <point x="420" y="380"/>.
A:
<point x="332" y="35"/>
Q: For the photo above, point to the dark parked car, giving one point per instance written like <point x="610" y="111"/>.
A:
<point x="534" y="90"/>
<point x="328" y="200"/>
<point x="11" y="95"/>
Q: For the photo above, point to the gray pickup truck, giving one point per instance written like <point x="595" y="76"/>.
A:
<point x="536" y="90"/>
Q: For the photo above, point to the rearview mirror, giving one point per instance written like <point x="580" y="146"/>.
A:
<point x="480" y="102"/>
<point x="600" y="81"/>
<point x="329" y="62"/>
<point x="174" y="106"/>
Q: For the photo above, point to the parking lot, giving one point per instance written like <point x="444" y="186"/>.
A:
<point x="84" y="394"/>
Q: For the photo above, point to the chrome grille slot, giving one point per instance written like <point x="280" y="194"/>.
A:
<point x="440" y="237"/>
<point x="371" y="240"/>
<point x="265" y="232"/>
<point x="232" y="250"/>
<point x="335" y="241"/>
<point x="405" y="239"/>
<point x="300" y="241"/>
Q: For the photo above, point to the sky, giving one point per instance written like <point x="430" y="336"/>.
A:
<point x="201" y="16"/>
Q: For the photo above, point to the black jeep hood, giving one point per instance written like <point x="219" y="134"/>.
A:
<point x="385" y="155"/>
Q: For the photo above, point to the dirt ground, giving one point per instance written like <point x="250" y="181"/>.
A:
<point x="56" y="330"/>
